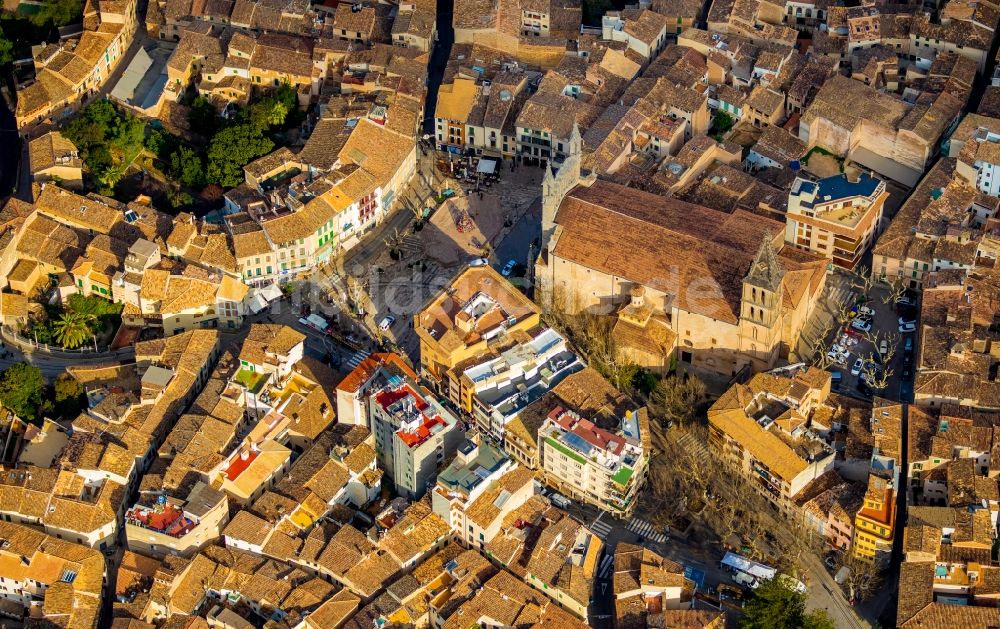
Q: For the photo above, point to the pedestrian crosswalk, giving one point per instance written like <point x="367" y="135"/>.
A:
<point x="356" y="359"/>
<point x="605" y="568"/>
<point x="601" y="529"/>
<point x="645" y="529"/>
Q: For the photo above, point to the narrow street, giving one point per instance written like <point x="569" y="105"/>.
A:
<point x="439" y="59"/>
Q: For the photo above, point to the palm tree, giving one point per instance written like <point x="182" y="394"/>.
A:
<point x="73" y="329"/>
<point x="112" y="175"/>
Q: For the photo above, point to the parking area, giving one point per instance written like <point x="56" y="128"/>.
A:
<point x="873" y="353"/>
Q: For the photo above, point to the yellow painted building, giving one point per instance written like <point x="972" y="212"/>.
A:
<point x="874" y="525"/>
<point x="476" y="311"/>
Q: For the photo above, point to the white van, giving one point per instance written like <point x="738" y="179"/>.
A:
<point x="842" y="575"/>
<point x="745" y="579"/>
<point x="560" y="501"/>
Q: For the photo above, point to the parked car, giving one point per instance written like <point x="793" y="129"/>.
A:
<point x="508" y="268"/>
<point x="902" y="320"/>
<point x="867" y="311"/>
<point x="836" y="378"/>
<point x="906" y="302"/>
<point x="907" y="328"/>
<point x="883" y="347"/>
<point x="862" y="325"/>
<point x="856" y="367"/>
<point x="386" y="322"/>
<point x="830" y="562"/>
<point x="725" y="589"/>
<point x="908" y="344"/>
<point x="478" y="262"/>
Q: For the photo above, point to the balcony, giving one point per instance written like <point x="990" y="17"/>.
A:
<point x="527" y="139"/>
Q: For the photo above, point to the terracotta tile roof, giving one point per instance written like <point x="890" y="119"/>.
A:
<point x="483" y="511"/>
<point x="334" y="611"/>
<point x="415" y="533"/>
<point x="367" y="368"/>
<point x="623" y="232"/>
<point x="52" y="149"/>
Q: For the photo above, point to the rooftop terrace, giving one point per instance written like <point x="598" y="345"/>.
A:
<point x="163" y="518"/>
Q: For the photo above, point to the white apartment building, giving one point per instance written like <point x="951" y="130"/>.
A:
<point x="413" y="432"/>
<point x="591" y="464"/>
<point x="837" y="217"/>
<point x="480" y="486"/>
<point x="496" y="390"/>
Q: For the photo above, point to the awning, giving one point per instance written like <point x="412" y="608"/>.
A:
<point x="487" y="166"/>
<point x="738" y="562"/>
<point x="257" y="303"/>
<point x="271" y="292"/>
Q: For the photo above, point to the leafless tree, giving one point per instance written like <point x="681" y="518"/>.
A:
<point x="862" y="281"/>
<point x="843" y="314"/>
<point x="864" y="579"/>
<point x="357" y="292"/>
<point x="896" y="290"/>
<point x="677" y="400"/>
<point x="818" y="351"/>
<point x="877" y="370"/>
<point x="395" y="239"/>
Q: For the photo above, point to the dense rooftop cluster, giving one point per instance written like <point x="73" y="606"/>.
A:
<point x="710" y="191"/>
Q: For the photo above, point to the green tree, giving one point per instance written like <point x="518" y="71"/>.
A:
<point x="73" y="329"/>
<point x="774" y="605"/>
<point x="92" y="125"/>
<point x="129" y="133"/>
<point x="161" y="143"/>
<point x="59" y="12"/>
<point x="203" y="117"/>
<point x="6" y="50"/>
<point x="268" y="112"/>
<point x="21" y="387"/>
<point x="68" y="396"/>
<point x="178" y="198"/>
<point x="186" y="167"/>
<point x="110" y="176"/>
<point x="723" y="121"/>
<point x="677" y="400"/>
<point x="594" y="10"/>
<point x="232" y="149"/>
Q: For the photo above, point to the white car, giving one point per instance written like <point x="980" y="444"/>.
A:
<point x="867" y="311"/>
<point x="386" y="323"/>
<point x="861" y="325"/>
<point x="478" y="262"/>
<point x="908" y="327"/>
<point x="856" y="367"/>
<point x="883" y="347"/>
<point x="903" y="320"/>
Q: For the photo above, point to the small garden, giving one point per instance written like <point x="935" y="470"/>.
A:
<point x="180" y="174"/>
<point x="81" y="321"/>
<point x="721" y="124"/>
